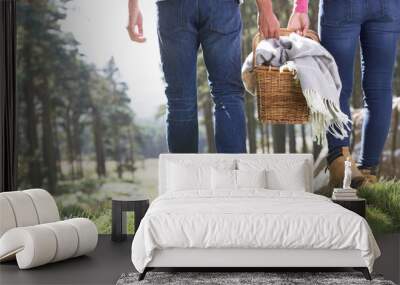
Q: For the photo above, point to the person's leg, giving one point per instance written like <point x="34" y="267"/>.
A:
<point x="220" y="36"/>
<point x="179" y="43"/>
<point x="340" y="25"/>
<point x="339" y="33"/>
<point x="378" y="42"/>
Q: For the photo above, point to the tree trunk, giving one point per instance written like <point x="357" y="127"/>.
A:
<point x="76" y="130"/>
<point x="249" y="23"/>
<point x="267" y="135"/>
<point x="48" y="140"/>
<point x="70" y="148"/>
<point x="98" y="143"/>
<point x="279" y="138"/>
<point x="209" y="124"/>
<point x="58" y="153"/>
<point x="292" y="138"/>
<point x="251" y="123"/>
<point x="262" y="132"/>
<point x="313" y="12"/>
<point x="356" y="99"/>
<point x="28" y="90"/>
<point x="117" y="152"/>
<point x="353" y="138"/>
<point x="131" y="151"/>
<point x="304" y="148"/>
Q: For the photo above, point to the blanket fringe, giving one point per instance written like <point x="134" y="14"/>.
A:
<point x="326" y="116"/>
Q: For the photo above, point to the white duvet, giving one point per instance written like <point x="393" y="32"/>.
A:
<point x="250" y="219"/>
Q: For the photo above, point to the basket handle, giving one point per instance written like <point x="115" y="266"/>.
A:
<point x="282" y="32"/>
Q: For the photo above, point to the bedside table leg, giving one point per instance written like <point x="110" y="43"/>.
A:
<point x="118" y="229"/>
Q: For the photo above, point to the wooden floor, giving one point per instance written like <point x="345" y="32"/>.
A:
<point x="110" y="260"/>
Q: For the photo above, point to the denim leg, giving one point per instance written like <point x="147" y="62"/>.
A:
<point x="342" y="44"/>
<point x="220" y="38"/>
<point x="378" y="58"/>
<point x="339" y="34"/>
<point x="178" y="47"/>
<point x="377" y="25"/>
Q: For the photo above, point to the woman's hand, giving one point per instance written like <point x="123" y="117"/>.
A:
<point x="299" y="22"/>
<point x="268" y="23"/>
<point x="135" y="22"/>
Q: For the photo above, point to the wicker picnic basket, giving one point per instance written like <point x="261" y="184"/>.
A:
<point x="280" y="99"/>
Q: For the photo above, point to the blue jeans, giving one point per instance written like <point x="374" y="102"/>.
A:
<point x="184" y="25"/>
<point x="375" y="24"/>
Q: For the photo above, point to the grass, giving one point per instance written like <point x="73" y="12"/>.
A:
<point x="383" y="199"/>
<point x="101" y="216"/>
<point x="379" y="221"/>
<point x="383" y="205"/>
<point x="87" y="198"/>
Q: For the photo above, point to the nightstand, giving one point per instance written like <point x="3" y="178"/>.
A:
<point x="356" y="205"/>
<point x="120" y="206"/>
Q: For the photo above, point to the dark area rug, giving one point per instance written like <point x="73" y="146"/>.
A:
<point x="243" y="278"/>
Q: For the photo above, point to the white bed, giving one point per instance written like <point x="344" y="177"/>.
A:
<point x="248" y="227"/>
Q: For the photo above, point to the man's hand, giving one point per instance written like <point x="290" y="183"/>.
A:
<point x="299" y="22"/>
<point x="135" y="22"/>
<point x="268" y="23"/>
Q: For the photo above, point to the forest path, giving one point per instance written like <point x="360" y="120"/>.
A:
<point x="145" y="183"/>
<point x="119" y="188"/>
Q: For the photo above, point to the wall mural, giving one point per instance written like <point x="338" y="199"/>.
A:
<point x="92" y="110"/>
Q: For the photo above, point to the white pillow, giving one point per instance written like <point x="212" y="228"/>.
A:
<point x="251" y="178"/>
<point x="223" y="179"/>
<point x="183" y="178"/>
<point x="282" y="174"/>
<point x="278" y="180"/>
<point x="188" y="174"/>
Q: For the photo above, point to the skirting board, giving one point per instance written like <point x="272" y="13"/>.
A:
<point x="189" y="257"/>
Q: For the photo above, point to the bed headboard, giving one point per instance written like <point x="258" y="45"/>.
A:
<point x="164" y="158"/>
